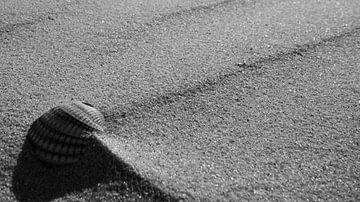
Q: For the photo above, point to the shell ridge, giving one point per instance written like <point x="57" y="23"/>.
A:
<point x="62" y="134"/>
<point x="85" y="121"/>
<point x="48" y="143"/>
<point x="41" y="149"/>
<point x="65" y="117"/>
<point x="56" y="131"/>
<point x="94" y="118"/>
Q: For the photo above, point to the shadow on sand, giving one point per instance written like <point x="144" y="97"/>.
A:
<point x="34" y="181"/>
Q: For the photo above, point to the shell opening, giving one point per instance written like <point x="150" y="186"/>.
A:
<point x="88" y="104"/>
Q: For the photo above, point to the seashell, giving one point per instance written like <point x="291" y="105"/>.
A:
<point x="62" y="134"/>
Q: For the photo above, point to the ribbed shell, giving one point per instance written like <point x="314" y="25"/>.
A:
<point x="61" y="135"/>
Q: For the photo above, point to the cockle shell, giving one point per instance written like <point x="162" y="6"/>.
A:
<point x="62" y="134"/>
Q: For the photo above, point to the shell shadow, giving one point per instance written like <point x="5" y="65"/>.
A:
<point x="35" y="181"/>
